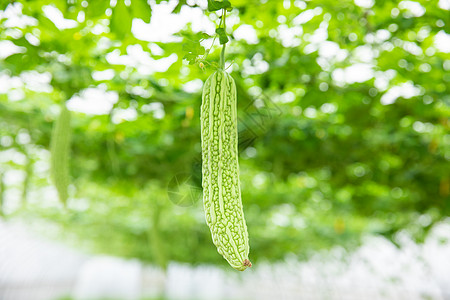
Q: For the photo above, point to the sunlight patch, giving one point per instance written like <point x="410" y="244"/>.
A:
<point x="93" y="101"/>
<point x="406" y="90"/>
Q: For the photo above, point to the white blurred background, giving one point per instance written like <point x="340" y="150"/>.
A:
<point x="35" y="268"/>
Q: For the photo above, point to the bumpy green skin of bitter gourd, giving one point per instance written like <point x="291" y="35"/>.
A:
<point x="220" y="169"/>
<point x="60" y="151"/>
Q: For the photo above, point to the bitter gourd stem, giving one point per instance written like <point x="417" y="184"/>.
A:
<point x="222" y="58"/>
<point x="222" y="54"/>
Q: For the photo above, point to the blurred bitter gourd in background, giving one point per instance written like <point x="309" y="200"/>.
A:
<point x="60" y="151"/>
<point x="220" y="169"/>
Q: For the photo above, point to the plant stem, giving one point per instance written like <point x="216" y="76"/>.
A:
<point x="207" y="51"/>
<point x="222" y="54"/>
<point x="222" y="58"/>
<point x="212" y="45"/>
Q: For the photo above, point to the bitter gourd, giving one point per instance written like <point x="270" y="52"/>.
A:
<point x="60" y="151"/>
<point x="220" y="170"/>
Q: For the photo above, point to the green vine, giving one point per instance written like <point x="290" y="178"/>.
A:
<point x="195" y="52"/>
<point x="223" y="41"/>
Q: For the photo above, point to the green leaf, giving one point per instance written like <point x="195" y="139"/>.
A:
<point x="96" y="8"/>
<point x="223" y="38"/>
<point x="121" y="20"/>
<point x="218" y="5"/>
<point x="189" y="35"/>
<point x="48" y="26"/>
<point x="193" y="47"/>
<point x="204" y="36"/>
<point x="191" y="58"/>
<point x="142" y="10"/>
<point x="177" y="8"/>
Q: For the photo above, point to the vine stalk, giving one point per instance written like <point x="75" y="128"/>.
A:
<point x="222" y="54"/>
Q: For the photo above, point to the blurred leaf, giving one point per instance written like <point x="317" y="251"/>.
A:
<point x="218" y="5"/>
<point x="193" y="47"/>
<point x="142" y="10"/>
<point x="177" y="8"/>
<point x="96" y="8"/>
<point x="121" y="20"/>
<point x="191" y="58"/>
<point x="192" y="50"/>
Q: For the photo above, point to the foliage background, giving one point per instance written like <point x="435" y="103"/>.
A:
<point x="343" y="123"/>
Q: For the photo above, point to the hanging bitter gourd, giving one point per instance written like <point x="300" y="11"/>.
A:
<point x="220" y="169"/>
<point x="60" y="151"/>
